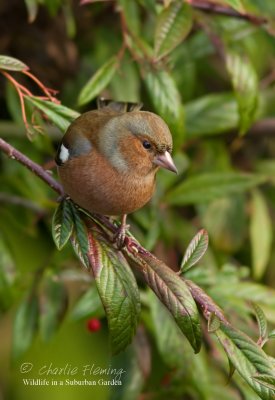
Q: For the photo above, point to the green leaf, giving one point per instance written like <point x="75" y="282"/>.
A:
<point x="169" y="338"/>
<point x="13" y="104"/>
<point x="195" y="250"/>
<point x="245" y="292"/>
<point x="6" y="289"/>
<point x="236" y="4"/>
<point x="62" y="224"/>
<point x="12" y="64"/>
<point x="53" y="6"/>
<point x="59" y="115"/>
<point x="245" y="83"/>
<point x="211" y="114"/>
<point x="266" y="380"/>
<point x="98" y="81"/>
<point x="178" y="356"/>
<point x="213" y="323"/>
<point x="247" y="357"/>
<point x="125" y="86"/>
<point x="119" y="293"/>
<point x="130" y="12"/>
<point x="79" y="237"/>
<point x="25" y="326"/>
<point x="54" y="305"/>
<point x="135" y="360"/>
<point x="210" y="186"/>
<point x="166" y="98"/>
<point x="150" y="5"/>
<point x="226" y="222"/>
<point x="88" y="305"/>
<point x="32" y="7"/>
<point x="271" y="334"/>
<point x="261" y="320"/>
<point x="174" y="294"/>
<point x="261" y="234"/>
<point x="173" y="25"/>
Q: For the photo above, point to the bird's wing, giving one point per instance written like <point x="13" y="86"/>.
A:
<point x="118" y="106"/>
<point x="79" y="145"/>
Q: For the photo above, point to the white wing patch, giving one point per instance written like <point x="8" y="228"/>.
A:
<point x="63" y="153"/>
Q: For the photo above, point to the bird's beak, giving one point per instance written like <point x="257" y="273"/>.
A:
<point x="165" y="161"/>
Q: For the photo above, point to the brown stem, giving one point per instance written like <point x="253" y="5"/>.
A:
<point x="20" y="201"/>
<point x="46" y="90"/>
<point x="18" y="88"/>
<point x="31" y="165"/>
<point x="205" y="302"/>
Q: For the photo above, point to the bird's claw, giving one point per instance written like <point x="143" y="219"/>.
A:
<point x="120" y="236"/>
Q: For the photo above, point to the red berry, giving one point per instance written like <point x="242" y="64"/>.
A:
<point x="93" y="325"/>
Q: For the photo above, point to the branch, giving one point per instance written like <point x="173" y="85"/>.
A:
<point x="212" y="8"/>
<point x="133" y="250"/>
<point x="20" y="201"/>
<point x="31" y="165"/>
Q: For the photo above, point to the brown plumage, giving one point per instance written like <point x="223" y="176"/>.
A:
<point x="108" y="159"/>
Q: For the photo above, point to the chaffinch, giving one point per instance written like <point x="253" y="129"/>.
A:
<point x="108" y="158"/>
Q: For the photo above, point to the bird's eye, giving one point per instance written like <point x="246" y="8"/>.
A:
<point x="146" y="145"/>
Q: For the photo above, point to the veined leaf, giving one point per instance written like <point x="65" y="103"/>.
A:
<point x="245" y="83"/>
<point x="261" y="234"/>
<point x="261" y="320"/>
<point x="62" y="224"/>
<point x="194" y="251"/>
<point x="174" y="294"/>
<point x="79" y="238"/>
<point x="210" y="186"/>
<point x="25" y="326"/>
<point x="166" y="99"/>
<point x="98" y="81"/>
<point x="211" y="114"/>
<point x="248" y="359"/>
<point x="173" y="25"/>
<point x="213" y="323"/>
<point x="266" y="380"/>
<point x="59" y="115"/>
<point x="12" y="64"/>
<point x="118" y="290"/>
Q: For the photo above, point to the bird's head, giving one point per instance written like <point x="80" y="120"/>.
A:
<point x="137" y="142"/>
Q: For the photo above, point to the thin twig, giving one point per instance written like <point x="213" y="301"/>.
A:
<point x="21" y="96"/>
<point x="46" y="90"/>
<point x="21" y="201"/>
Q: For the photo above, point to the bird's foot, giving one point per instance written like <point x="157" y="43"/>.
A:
<point x="120" y="235"/>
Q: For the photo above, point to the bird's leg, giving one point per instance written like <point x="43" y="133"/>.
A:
<point x="119" y="237"/>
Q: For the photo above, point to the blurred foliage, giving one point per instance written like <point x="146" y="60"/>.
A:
<point x="211" y="77"/>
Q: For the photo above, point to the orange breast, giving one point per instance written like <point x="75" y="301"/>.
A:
<point x="93" y="184"/>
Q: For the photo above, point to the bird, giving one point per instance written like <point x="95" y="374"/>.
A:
<point x="108" y="159"/>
